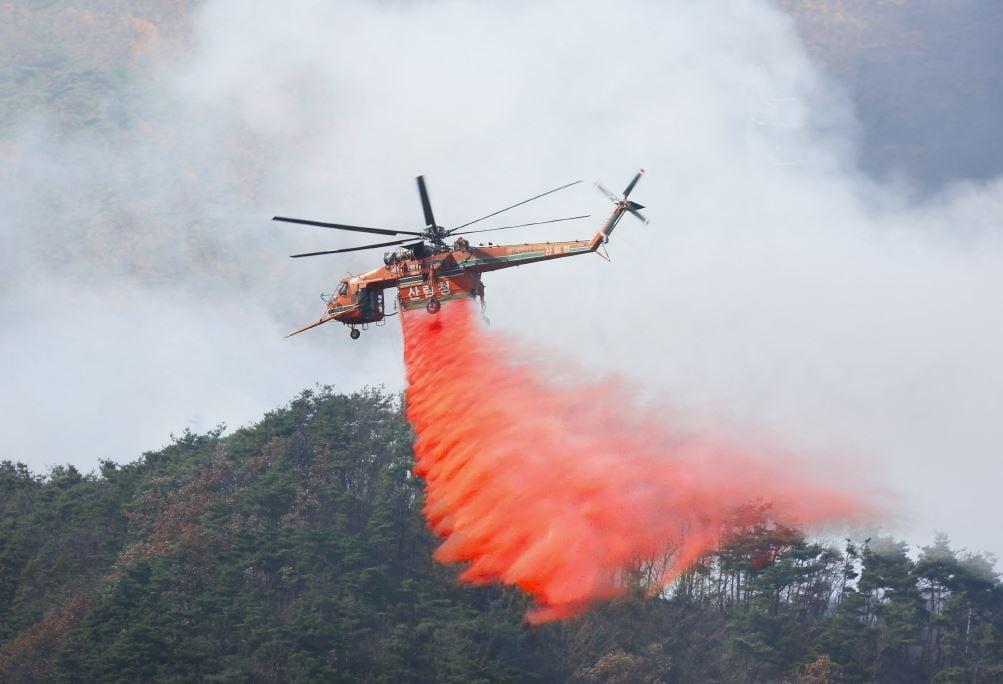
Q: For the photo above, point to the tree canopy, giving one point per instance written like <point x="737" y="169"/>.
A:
<point x="295" y="550"/>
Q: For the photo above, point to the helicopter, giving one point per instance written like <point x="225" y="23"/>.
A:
<point x="427" y="272"/>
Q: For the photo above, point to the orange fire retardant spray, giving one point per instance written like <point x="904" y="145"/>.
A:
<point x="561" y="491"/>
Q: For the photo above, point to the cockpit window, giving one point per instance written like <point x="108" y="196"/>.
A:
<point x="343" y="288"/>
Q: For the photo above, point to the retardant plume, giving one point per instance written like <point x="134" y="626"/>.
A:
<point x="562" y="491"/>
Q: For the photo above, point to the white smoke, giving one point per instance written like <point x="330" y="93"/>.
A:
<point x="778" y="289"/>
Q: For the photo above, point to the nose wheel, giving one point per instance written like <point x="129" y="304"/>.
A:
<point x="355" y="333"/>
<point x="433" y="306"/>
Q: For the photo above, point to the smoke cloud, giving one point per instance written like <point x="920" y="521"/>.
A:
<point x="778" y="290"/>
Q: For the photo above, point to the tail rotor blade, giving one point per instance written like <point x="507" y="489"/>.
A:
<point x="606" y="191"/>
<point x="638" y="214"/>
<point x="630" y="186"/>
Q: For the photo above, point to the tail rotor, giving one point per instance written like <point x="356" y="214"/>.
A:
<point x="621" y="205"/>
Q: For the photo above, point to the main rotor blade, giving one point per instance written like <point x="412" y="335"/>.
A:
<point x="426" y="205"/>
<point x="518" y="204"/>
<point x="342" y="226"/>
<point x="522" y="225"/>
<point x="352" y="249"/>
<point x="630" y="186"/>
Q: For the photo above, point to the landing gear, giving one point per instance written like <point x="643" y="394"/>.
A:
<point x="486" y="320"/>
<point x="355" y="333"/>
<point x="433" y="306"/>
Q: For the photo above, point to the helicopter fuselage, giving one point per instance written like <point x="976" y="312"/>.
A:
<point x="443" y="276"/>
<point x="428" y="274"/>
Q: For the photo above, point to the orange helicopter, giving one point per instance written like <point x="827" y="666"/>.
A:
<point x="427" y="272"/>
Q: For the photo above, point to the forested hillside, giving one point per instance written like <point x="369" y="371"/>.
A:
<point x="294" y="550"/>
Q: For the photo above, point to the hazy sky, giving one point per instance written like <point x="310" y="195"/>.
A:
<point x="779" y="291"/>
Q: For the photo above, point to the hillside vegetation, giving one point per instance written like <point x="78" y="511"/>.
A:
<point x="294" y="550"/>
